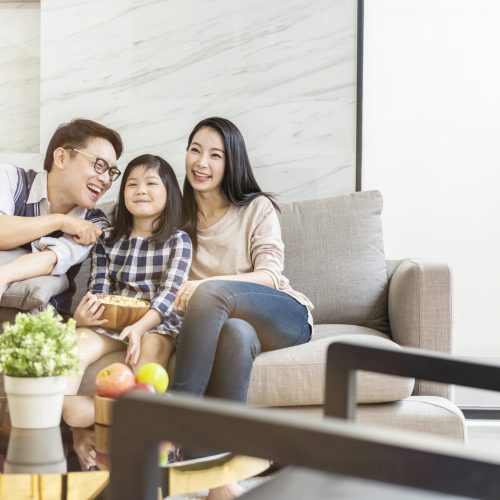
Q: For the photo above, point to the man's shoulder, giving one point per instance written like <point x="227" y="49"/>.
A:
<point x="97" y="216"/>
<point x="9" y="170"/>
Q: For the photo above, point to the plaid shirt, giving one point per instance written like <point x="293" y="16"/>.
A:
<point x="144" y="269"/>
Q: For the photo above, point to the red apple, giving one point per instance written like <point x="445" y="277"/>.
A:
<point x="114" y="380"/>
<point x="144" y="387"/>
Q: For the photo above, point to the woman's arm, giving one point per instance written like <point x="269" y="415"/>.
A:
<point x="188" y="288"/>
<point x="266" y="254"/>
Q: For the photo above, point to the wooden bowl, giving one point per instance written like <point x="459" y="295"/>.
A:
<point x="103" y="409"/>
<point x="102" y="438"/>
<point x="121" y="315"/>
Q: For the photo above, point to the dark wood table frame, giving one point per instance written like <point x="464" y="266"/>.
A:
<point x="344" y="359"/>
<point x="140" y="421"/>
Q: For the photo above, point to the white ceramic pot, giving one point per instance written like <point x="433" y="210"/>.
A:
<point x="35" y="403"/>
<point x="35" y="451"/>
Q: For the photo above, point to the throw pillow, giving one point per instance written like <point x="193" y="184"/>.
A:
<point x="32" y="293"/>
<point x="334" y="254"/>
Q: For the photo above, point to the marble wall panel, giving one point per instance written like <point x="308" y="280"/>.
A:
<point x="284" y="73"/>
<point x="19" y="77"/>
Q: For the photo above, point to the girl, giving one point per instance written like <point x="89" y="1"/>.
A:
<point x="144" y="256"/>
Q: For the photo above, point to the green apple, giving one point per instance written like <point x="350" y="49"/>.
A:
<point x="154" y="374"/>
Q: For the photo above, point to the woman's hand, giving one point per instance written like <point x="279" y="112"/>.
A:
<point x="89" y="311"/>
<point x="134" y="333"/>
<point x="184" y="295"/>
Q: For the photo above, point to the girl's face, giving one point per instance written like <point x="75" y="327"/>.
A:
<point x="145" y="194"/>
<point x="206" y="161"/>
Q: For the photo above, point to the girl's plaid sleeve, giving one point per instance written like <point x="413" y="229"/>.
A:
<point x="176" y="272"/>
<point x="99" y="281"/>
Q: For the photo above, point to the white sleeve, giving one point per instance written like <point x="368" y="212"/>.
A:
<point x="67" y="250"/>
<point x="8" y="186"/>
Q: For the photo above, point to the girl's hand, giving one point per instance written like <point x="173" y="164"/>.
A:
<point x="184" y="295"/>
<point x="134" y="334"/>
<point x="89" y="311"/>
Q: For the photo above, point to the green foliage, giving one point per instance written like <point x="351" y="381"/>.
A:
<point x="39" y="345"/>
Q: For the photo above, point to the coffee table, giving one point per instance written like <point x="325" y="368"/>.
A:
<point x="42" y="463"/>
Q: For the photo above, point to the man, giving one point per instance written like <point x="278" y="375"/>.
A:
<point x="52" y="213"/>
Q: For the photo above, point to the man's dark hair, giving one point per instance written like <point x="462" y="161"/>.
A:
<point x="76" y="134"/>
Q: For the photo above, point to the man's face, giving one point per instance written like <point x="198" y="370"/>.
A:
<point x="84" y="185"/>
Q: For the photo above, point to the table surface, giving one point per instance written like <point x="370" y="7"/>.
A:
<point x="41" y="452"/>
<point x="295" y="483"/>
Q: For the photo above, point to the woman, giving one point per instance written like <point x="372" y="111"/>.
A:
<point x="236" y="302"/>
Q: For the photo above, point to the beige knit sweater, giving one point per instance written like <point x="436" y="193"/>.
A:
<point x="244" y="240"/>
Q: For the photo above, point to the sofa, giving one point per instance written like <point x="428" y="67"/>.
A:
<point x="334" y="254"/>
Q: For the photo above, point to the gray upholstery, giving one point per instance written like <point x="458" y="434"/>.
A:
<point x="336" y="258"/>
<point x="334" y="254"/>
<point x="32" y="293"/>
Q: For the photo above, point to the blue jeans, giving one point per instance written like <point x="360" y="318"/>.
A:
<point x="226" y="325"/>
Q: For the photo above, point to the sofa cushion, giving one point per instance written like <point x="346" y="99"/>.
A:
<point x="295" y="376"/>
<point x="334" y="254"/>
<point x="425" y="414"/>
<point x="34" y="292"/>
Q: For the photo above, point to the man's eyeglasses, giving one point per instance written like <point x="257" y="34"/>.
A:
<point x="100" y="165"/>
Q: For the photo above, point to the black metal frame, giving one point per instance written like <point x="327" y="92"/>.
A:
<point x="480" y="412"/>
<point x="140" y="421"/>
<point x="359" y="93"/>
<point x="344" y="359"/>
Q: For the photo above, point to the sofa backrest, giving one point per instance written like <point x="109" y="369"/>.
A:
<point x="334" y="254"/>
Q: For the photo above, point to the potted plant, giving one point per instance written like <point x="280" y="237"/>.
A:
<point x="37" y="352"/>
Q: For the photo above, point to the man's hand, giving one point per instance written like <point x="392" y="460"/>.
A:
<point x="83" y="232"/>
<point x="134" y="333"/>
<point x="89" y="311"/>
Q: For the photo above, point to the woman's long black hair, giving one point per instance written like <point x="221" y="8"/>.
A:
<point x="238" y="184"/>
<point x="171" y="217"/>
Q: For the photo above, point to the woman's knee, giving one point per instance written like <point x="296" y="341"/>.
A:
<point x="239" y="336"/>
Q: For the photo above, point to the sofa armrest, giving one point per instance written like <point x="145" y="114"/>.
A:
<point x="421" y="312"/>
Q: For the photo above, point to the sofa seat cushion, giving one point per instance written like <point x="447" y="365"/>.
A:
<point x="295" y="376"/>
<point x="427" y="414"/>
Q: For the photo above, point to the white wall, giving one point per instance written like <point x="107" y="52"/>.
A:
<point x="432" y="146"/>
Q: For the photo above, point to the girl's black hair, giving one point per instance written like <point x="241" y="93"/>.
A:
<point x="238" y="184"/>
<point x="171" y="217"/>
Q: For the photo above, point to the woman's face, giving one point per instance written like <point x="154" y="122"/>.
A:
<point x="206" y="161"/>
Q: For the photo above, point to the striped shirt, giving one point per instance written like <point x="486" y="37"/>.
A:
<point x="144" y="269"/>
<point x="24" y="193"/>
